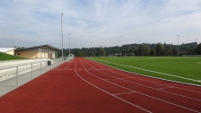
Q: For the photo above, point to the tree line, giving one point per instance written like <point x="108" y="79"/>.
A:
<point x="144" y="49"/>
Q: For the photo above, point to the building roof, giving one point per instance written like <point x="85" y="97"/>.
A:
<point x="42" y="46"/>
<point x="4" y="50"/>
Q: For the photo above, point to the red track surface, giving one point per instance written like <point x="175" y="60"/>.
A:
<point x="84" y="86"/>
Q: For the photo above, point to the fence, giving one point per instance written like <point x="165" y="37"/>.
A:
<point x="15" y="76"/>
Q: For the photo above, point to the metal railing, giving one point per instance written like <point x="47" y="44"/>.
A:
<point x="15" y="71"/>
<point x="12" y="77"/>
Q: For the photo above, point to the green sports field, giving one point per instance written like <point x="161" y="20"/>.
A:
<point x="182" y="69"/>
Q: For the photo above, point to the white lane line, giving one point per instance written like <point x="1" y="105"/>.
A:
<point x="109" y="92"/>
<point x="194" y="91"/>
<point x="118" y="78"/>
<point x="160" y="89"/>
<point x="61" y="69"/>
<point x="124" y="93"/>
<point x="68" y="66"/>
<point x="164" y="88"/>
<point x="142" y="93"/>
<point x="56" y="68"/>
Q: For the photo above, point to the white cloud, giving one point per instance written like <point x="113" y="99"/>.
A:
<point x="99" y="22"/>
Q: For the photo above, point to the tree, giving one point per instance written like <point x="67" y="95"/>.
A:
<point x="168" y="52"/>
<point x="174" y="52"/>
<point x="153" y="52"/>
<point x="143" y="50"/>
<point x="101" y="51"/>
<point x="160" y="51"/>
<point x="130" y="49"/>
<point x="198" y="49"/>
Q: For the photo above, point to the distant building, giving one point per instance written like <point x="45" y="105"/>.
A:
<point x="44" y="51"/>
<point x="9" y="51"/>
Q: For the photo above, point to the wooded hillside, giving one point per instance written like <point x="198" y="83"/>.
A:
<point x="143" y="49"/>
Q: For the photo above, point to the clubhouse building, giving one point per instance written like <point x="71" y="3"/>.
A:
<point x="43" y="51"/>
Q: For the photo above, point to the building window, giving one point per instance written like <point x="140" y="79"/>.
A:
<point x="18" y="53"/>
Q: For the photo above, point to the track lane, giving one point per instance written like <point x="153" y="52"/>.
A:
<point x="165" y="99"/>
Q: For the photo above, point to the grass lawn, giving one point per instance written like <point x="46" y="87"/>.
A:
<point x="183" y="69"/>
<point x="4" y="57"/>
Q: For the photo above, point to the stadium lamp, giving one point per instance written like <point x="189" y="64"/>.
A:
<point x="178" y="45"/>
<point x="69" y="42"/>
<point x="62" y="38"/>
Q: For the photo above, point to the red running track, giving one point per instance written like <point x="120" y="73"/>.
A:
<point x="84" y="86"/>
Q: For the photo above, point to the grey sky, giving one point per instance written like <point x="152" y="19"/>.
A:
<point x="93" y="23"/>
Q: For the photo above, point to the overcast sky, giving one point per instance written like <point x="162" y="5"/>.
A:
<point x="94" y="23"/>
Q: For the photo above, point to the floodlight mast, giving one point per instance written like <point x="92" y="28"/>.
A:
<point x="62" y="51"/>
<point x="178" y="45"/>
<point x="69" y="43"/>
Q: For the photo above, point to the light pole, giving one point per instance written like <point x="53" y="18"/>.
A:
<point x="62" y="51"/>
<point x="178" y="45"/>
<point x="69" y="43"/>
<point x="197" y="40"/>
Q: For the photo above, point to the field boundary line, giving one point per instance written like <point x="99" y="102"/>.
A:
<point x="152" y="72"/>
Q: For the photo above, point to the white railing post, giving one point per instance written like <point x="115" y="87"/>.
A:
<point x="46" y="66"/>
<point x="31" y="71"/>
<point x="51" y="64"/>
<point x="17" y="73"/>
<point x="40" y="68"/>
